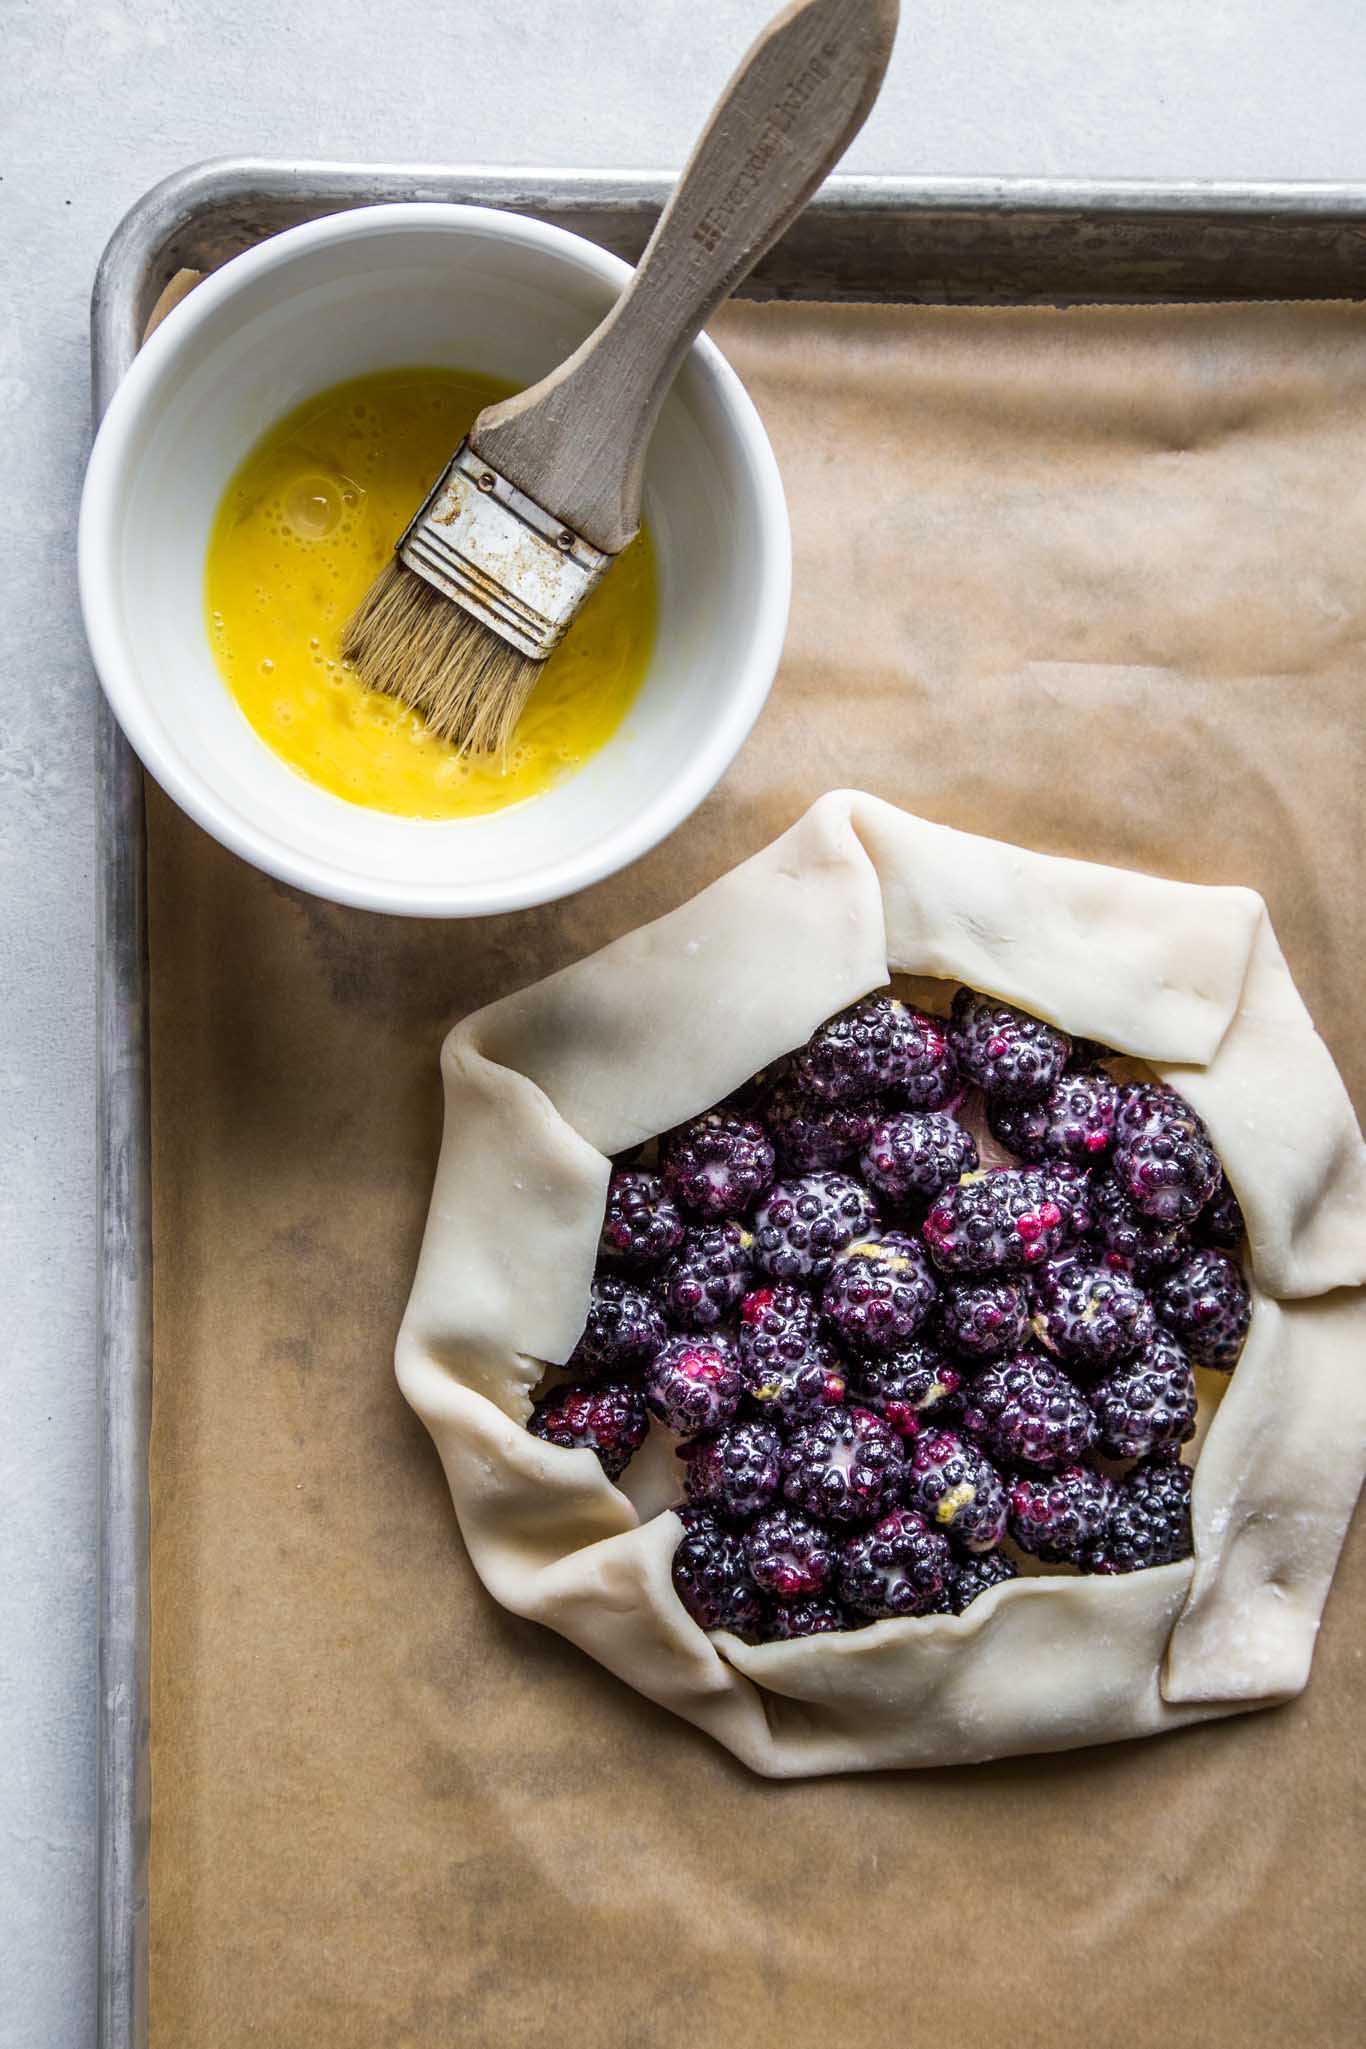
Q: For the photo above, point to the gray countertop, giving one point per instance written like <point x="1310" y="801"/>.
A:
<point x="97" y="102"/>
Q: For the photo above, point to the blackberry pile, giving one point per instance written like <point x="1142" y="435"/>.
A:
<point x="893" y="1374"/>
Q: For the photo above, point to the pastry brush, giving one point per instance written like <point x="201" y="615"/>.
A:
<point x="545" y="491"/>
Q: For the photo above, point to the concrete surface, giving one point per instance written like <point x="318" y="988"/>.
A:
<point x="99" y="100"/>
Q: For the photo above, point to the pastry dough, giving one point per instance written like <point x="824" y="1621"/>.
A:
<point x="656" y="1028"/>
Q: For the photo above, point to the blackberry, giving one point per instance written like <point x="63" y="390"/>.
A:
<point x="969" y="1577"/>
<point x="1005" y="1051"/>
<point x="694" y="1384"/>
<point x="844" y="1466"/>
<point x="1091" y="1317"/>
<point x="877" y="1045"/>
<point x="899" y="1567"/>
<point x="718" y="1164"/>
<point x="1221" y="1222"/>
<point x="643" y="1223"/>
<point x="788" y="1554"/>
<point x="710" y="1578"/>
<point x="1056" y="1518"/>
<point x="916" y="1154"/>
<point x="1074" y="1121"/>
<point x="736" y="1470"/>
<point x="1143" y="1108"/>
<point x="984" y="1319"/>
<point x="623" y="1331"/>
<point x="810" y="1137"/>
<point x="791" y="1370"/>
<point x="707" y="1275"/>
<point x="777" y="1322"/>
<point x="1163" y="1157"/>
<point x="1150" y="1522"/>
<point x="1006" y="1217"/>
<point x="1025" y="1410"/>
<point x="1170" y="1176"/>
<point x="957" y="1490"/>
<point x="790" y="1394"/>
<point x="1206" y="1302"/>
<point x="1133" y="1243"/>
<point x="816" y="1615"/>
<point x="609" y="1419"/>
<point x="855" y="1054"/>
<point x="1148" y="1403"/>
<point x="879" y="1293"/>
<point x="904" y="1386"/>
<point x="930" y="1079"/>
<point x="801" y="1225"/>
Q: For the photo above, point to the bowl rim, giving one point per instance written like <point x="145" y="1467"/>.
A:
<point x="97" y="579"/>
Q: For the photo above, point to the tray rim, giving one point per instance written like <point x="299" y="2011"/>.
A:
<point x="123" y="1103"/>
<point x="175" y="201"/>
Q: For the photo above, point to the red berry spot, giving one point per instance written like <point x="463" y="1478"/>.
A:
<point x="1096" y="1141"/>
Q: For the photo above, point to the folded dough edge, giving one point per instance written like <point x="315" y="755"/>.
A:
<point x="541" y="1086"/>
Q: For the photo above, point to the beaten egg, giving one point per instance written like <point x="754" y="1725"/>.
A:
<point x="304" y="526"/>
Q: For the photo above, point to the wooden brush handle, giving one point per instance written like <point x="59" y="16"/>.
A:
<point x="576" y="441"/>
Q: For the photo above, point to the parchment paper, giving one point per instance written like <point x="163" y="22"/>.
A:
<point x="1090" y="581"/>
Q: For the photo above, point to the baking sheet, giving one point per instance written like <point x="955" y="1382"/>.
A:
<point x="974" y="241"/>
<point x="1090" y="580"/>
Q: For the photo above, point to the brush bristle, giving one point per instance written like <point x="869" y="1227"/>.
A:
<point x="409" y="640"/>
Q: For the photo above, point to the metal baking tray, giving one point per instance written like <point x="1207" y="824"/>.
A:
<point x="984" y="242"/>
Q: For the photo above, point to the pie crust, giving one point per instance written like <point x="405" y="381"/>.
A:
<point x="541" y="1087"/>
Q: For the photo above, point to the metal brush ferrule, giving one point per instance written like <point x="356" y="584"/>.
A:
<point x="500" y="556"/>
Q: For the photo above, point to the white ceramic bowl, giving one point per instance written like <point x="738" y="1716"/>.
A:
<point x="372" y="290"/>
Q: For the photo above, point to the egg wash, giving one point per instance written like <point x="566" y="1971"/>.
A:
<point x="305" y="524"/>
